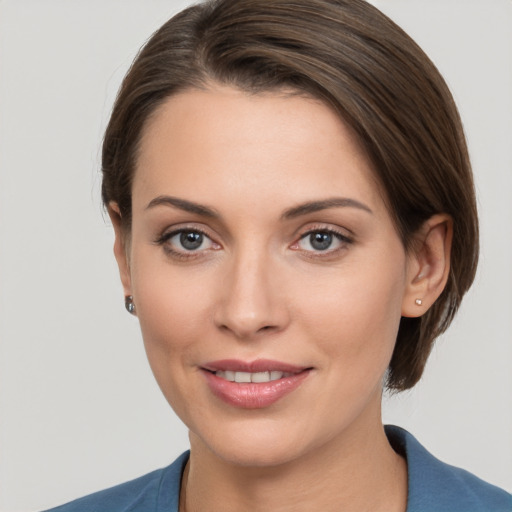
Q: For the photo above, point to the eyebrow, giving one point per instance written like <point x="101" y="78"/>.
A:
<point x="184" y="205"/>
<point x="290" y="213"/>
<point x="316" y="206"/>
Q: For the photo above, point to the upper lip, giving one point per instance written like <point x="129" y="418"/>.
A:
<point x="258" y="365"/>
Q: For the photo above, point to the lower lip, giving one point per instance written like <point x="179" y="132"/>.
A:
<point x="252" y="395"/>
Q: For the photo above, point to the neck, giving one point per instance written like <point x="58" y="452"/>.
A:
<point x="357" y="472"/>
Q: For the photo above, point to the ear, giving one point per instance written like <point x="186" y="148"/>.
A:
<point x="428" y="265"/>
<point x="120" y="248"/>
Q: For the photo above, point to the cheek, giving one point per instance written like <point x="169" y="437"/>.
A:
<point x="167" y="296"/>
<point x="173" y="308"/>
<point x="355" y="315"/>
<point x="171" y="314"/>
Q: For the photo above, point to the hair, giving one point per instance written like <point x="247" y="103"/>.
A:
<point x="349" y="55"/>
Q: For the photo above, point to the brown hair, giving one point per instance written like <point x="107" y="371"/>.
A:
<point x="361" y="64"/>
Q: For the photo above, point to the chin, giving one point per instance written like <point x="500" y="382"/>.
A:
<point x="265" y="444"/>
<point x="257" y="455"/>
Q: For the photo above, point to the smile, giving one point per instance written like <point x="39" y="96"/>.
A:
<point x="253" y="385"/>
<point x="247" y="377"/>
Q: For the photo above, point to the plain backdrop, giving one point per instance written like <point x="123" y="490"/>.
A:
<point x="79" y="409"/>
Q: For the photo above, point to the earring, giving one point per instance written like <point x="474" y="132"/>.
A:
<point x="129" y="305"/>
<point x="418" y="302"/>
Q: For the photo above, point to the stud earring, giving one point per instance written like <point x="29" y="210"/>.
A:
<point x="418" y="302"/>
<point x="129" y="305"/>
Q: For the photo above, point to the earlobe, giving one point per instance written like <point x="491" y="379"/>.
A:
<point x="120" y="248"/>
<point x="428" y="265"/>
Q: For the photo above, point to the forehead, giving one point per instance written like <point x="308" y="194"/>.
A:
<point x="272" y="145"/>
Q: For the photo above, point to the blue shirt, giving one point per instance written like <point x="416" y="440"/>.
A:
<point x="433" y="487"/>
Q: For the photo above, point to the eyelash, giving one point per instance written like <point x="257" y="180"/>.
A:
<point x="187" y="255"/>
<point x="341" y="237"/>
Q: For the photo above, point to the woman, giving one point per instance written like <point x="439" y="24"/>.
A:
<point x="295" y="224"/>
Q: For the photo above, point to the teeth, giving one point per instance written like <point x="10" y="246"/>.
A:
<point x="229" y="375"/>
<point x="260" y="377"/>
<point x="251" y="377"/>
<point x="242" y="377"/>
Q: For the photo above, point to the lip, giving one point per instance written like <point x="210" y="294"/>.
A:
<point x="258" y="365"/>
<point x="253" y="395"/>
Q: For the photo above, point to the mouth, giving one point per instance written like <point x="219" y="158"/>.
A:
<point x="253" y="385"/>
<point x="256" y="377"/>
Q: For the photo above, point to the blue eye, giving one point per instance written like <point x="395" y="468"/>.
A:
<point x="190" y="240"/>
<point x="322" y="241"/>
<point x="186" y="241"/>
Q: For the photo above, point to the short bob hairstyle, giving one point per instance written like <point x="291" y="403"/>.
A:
<point x="349" y="55"/>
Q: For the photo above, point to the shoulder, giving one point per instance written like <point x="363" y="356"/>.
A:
<point x="158" y="490"/>
<point x="434" y="485"/>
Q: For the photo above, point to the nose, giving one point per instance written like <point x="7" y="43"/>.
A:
<point x="252" y="299"/>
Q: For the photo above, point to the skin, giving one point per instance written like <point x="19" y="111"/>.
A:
<point x="257" y="288"/>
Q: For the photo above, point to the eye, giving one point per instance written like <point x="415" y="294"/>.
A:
<point x="189" y="240"/>
<point x="324" y="240"/>
<point x="186" y="242"/>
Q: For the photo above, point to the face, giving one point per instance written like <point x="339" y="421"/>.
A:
<point x="266" y="272"/>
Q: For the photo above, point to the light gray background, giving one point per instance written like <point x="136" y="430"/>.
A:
<point x="79" y="409"/>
